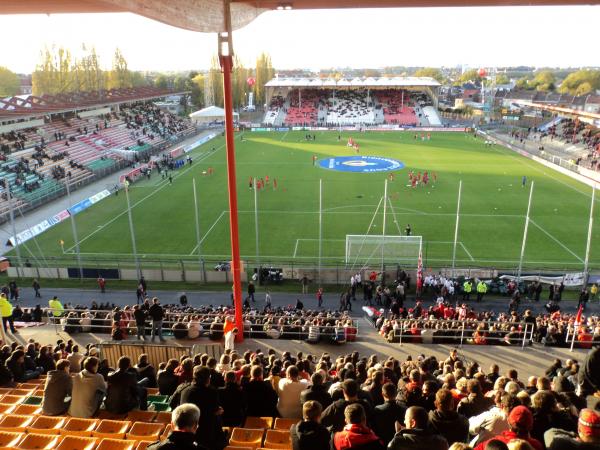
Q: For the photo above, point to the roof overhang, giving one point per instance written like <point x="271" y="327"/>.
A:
<point x="207" y="15"/>
<point x="365" y="83"/>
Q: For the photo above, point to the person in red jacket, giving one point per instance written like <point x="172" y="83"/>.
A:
<point x="520" y="421"/>
<point x="356" y="434"/>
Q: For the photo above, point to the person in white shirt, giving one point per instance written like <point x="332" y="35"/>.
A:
<point x="267" y="299"/>
<point x="494" y="421"/>
<point x="289" y="390"/>
<point x="86" y="322"/>
<point x="89" y="389"/>
<point x="194" y="328"/>
<point x="75" y="359"/>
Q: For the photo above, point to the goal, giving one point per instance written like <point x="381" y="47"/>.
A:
<point x="364" y="249"/>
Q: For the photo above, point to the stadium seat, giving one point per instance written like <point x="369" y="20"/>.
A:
<point x="104" y="414"/>
<point x="31" y="410"/>
<point x="166" y="432"/>
<point x="258" y="422"/>
<point x="284" y="424"/>
<point x="163" y="417"/>
<point x="46" y="425"/>
<point x="13" y="399"/>
<point x="112" y="429"/>
<point x="247" y="437"/>
<point x="141" y="431"/>
<point x="143" y="444"/>
<point x="141" y="416"/>
<point x="278" y="439"/>
<point x="30" y="386"/>
<point x="15" y="422"/>
<point x="6" y="408"/>
<point x="4" y="391"/>
<point x="33" y="400"/>
<point x="9" y="439"/>
<point x="22" y="392"/>
<point x="79" y="427"/>
<point x="35" y="441"/>
<point x="231" y="447"/>
<point x="116" y="444"/>
<point x="152" y="391"/>
<point x="77" y="443"/>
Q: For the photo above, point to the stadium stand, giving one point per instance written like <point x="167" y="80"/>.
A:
<point x="448" y="401"/>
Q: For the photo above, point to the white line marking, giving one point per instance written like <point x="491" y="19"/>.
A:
<point x="466" y="251"/>
<point x="209" y="230"/>
<point x="556" y="240"/>
<point x="283" y="137"/>
<point x="138" y="202"/>
<point x="296" y="248"/>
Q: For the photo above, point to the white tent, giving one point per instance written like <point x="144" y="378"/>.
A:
<point x="211" y="114"/>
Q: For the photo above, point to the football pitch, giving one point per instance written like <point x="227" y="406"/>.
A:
<point x="492" y="212"/>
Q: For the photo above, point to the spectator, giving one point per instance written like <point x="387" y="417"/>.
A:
<point x="166" y="379"/>
<point x="45" y="360"/>
<point x="586" y="438"/>
<point x="157" y="314"/>
<point x="206" y="398"/>
<point x="184" y="424"/>
<point x="16" y="364"/>
<point x="520" y="421"/>
<point x="233" y="402"/>
<point x="453" y="426"/>
<point x="145" y="371"/>
<point x="316" y="391"/>
<point x="89" y="389"/>
<point x="260" y="395"/>
<point x="356" y="434"/>
<point x="333" y="417"/>
<point x="546" y="415"/>
<point x="475" y="403"/>
<point x="387" y="415"/>
<point x="417" y="435"/>
<point x="289" y="392"/>
<point x="495" y="421"/>
<point x="309" y="434"/>
<point x="123" y="393"/>
<point x="140" y="321"/>
<point x="58" y="387"/>
<point x="6" y="310"/>
<point x="75" y="359"/>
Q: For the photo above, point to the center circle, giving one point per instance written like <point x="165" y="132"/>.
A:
<point x="361" y="164"/>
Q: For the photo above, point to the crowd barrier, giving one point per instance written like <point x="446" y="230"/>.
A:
<point x="408" y="333"/>
<point x="103" y="324"/>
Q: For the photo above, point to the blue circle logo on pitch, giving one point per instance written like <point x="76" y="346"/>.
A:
<point x="361" y="164"/>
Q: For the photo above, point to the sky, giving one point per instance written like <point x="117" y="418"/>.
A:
<point x="565" y="36"/>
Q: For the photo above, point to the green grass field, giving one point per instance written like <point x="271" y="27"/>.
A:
<point x="492" y="210"/>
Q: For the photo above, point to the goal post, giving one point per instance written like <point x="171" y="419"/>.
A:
<point x="365" y="249"/>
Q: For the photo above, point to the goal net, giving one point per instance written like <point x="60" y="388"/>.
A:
<point x="364" y="249"/>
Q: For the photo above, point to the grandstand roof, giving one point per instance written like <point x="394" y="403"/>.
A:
<point x="370" y="82"/>
<point x="29" y="105"/>
<point x="207" y="15"/>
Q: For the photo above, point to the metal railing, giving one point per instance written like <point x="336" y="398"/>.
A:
<point x="461" y="331"/>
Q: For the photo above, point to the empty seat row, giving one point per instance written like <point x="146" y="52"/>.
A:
<point x="254" y="438"/>
<point x="17" y="441"/>
<point x="277" y="423"/>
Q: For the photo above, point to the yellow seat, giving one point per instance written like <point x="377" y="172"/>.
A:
<point x="247" y="437"/>
<point x="278" y="439"/>
<point x="284" y="424"/>
<point x="112" y="429"/>
<point x="24" y="392"/>
<point x="165" y="433"/>
<point x="258" y="422"/>
<point x="46" y="425"/>
<point x="163" y="417"/>
<point x="143" y="444"/>
<point x="35" y="441"/>
<point x="15" y="422"/>
<point x="104" y="414"/>
<point x="31" y="410"/>
<point x="144" y="431"/>
<point x="13" y="399"/>
<point x="116" y="444"/>
<point x="9" y="439"/>
<point x="28" y="386"/>
<point x="230" y="447"/>
<point x="38" y="393"/>
<point x="141" y="416"/>
<point x="6" y="408"/>
<point x="77" y="443"/>
<point x="4" y="391"/>
<point x="79" y="427"/>
<point x="152" y="391"/>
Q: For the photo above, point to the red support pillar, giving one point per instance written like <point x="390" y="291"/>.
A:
<point x="226" y="66"/>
